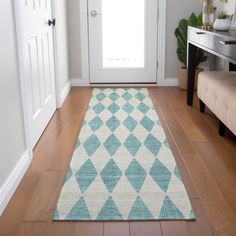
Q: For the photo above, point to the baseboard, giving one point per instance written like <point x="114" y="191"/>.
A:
<point x="78" y="82"/>
<point x="13" y="180"/>
<point x="82" y="83"/>
<point x="172" y="82"/>
<point x="65" y="92"/>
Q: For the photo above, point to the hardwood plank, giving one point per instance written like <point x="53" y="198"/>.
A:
<point x="194" y="134"/>
<point x="145" y="228"/>
<point x="32" y="229"/>
<point x="89" y="229"/>
<point x="173" y="228"/>
<point x="43" y="199"/>
<point x="116" y="229"/>
<point x="216" y="208"/>
<point x="46" y="229"/>
<point x="201" y="226"/>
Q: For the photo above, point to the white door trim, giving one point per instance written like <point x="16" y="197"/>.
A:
<point x="85" y="42"/>
<point x="21" y="73"/>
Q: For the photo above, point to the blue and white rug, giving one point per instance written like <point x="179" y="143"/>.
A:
<point x="122" y="167"/>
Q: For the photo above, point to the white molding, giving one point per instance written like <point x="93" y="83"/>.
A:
<point x="64" y="93"/>
<point x="56" y="57"/>
<point x="84" y="42"/>
<point x="161" y="43"/>
<point x="79" y="82"/>
<point x="13" y="180"/>
<point x="24" y="97"/>
<point x="172" y="82"/>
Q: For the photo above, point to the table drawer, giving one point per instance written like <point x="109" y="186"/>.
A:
<point x="219" y="44"/>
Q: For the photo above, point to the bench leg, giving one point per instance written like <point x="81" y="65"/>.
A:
<point x="202" y="106"/>
<point x="222" y="128"/>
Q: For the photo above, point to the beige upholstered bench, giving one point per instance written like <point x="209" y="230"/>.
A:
<point x="217" y="90"/>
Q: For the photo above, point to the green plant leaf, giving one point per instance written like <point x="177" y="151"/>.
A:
<point x="181" y="33"/>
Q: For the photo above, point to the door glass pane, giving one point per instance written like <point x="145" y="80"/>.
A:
<point x="123" y="33"/>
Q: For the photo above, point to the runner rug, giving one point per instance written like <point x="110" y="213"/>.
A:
<point x="122" y="166"/>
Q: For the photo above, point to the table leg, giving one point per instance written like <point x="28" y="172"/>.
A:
<point x="192" y="60"/>
<point x="232" y="67"/>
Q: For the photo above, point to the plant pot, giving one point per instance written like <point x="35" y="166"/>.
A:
<point x="183" y="77"/>
<point x="222" y="24"/>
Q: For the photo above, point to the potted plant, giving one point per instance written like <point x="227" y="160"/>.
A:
<point x="222" y="22"/>
<point x="181" y="34"/>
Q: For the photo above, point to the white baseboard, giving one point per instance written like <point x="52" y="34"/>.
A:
<point x="78" y="82"/>
<point x="65" y="92"/>
<point x="13" y="180"/>
<point x="172" y="82"/>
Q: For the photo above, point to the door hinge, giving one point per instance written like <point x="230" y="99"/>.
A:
<point x="157" y="64"/>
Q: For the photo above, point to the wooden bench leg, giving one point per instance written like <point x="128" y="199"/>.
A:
<point x="202" y="106"/>
<point x="222" y="128"/>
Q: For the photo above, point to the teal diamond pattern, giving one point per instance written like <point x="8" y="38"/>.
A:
<point x="114" y="96"/>
<point x="143" y="108"/>
<point x="113" y="108"/>
<point x="113" y="123"/>
<point x="161" y="175"/>
<point x="140" y="96"/>
<point x="91" y="144"/>
<point x="69" y="174"/>
<point x="80" y="209"/>
<point x="101" y="96"/>
<point x="111" y="175"/>
<point x="132" y="144"/>
<point x="86" y="175"/>
<point x="109" y="211"/>
<point x="112" y="144"/>
<point x="118" y="156"/>
<point x="127" y="96"/>
<point x="170" y="210"/>
<point x="147" y="123"/>
<point x="152" y="144"/>
<point x="136" y="175"/>
<point x="128" y="108"/>
<point x="140" y="211"/>
<point x="130" y="123"/>
<point x="98" y="108"/>
<point x="95" y="123"/>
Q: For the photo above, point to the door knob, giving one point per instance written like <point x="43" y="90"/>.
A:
<point x="52" y="22"/>
<point x="93" y="13"/>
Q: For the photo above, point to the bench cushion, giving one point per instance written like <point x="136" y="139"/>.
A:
<point x="217" y="90"/>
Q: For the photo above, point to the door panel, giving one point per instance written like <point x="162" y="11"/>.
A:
<point x="38" y="64"/>
<point x="123" y="41"/>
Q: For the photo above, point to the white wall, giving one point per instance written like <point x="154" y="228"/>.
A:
<point x="13" y="155"/>
<point x="62" y="46"/>
<point x="176" y="10"/>
<point x="73" y="9"/>
<point x="12" y="140"/>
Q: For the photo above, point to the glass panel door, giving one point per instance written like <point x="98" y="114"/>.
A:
<point x="123" y="33"/>
<point x="122" y="41"/>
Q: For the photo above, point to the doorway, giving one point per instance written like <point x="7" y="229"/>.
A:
<point x="36" y="57"/>
<point x="123" y="41"/>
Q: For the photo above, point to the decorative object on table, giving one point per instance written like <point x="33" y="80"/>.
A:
<point x="233" y="23"/>
<point x="122" y="167"/>
<point x="181" y="34"/>
<point x="208" y="14"/>
<point x="222" y="23"/>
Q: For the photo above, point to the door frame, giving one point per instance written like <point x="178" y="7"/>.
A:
<point x="84" y="34"/>
<point x="19" y="42"/>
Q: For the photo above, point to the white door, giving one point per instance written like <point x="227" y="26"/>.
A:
<point x="123" y="41"/>
<point x="38" y="63"/>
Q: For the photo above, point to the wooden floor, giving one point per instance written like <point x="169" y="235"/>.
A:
<point x="207" y="163"/>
